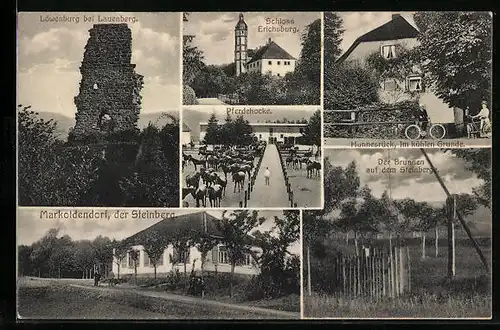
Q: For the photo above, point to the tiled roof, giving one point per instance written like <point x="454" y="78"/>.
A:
<point x="397" y="28"/>
<point x="271" y="51"/>
<point x="192" y="222"/>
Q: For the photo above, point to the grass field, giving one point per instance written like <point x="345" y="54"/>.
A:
<point x="231" y="199"/>
<point x="432" y="294"/>
<point x="52" y="299"/>
<point x="306" y="191"/>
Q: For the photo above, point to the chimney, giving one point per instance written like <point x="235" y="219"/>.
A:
<point x="268" y="41"/>
<point x="394" y="16"/>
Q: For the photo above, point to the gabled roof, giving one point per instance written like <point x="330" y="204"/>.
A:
<point x="271" y="51"/>
<point x="192" y="222"/>
<point x="185" y="128"/>
<point x="397" y="28"/>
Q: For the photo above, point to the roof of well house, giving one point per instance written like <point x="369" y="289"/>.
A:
<point x="397" y="28"/>
<point x="271" y="51"/>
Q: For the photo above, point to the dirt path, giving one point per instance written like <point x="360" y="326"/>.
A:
<point x="223" y="307"/>
<point x="275" y="194"/>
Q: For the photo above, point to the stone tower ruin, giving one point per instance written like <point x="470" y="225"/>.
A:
<point x="109" y="98"/>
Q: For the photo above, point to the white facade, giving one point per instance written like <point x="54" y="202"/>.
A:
<point x="186" y="137"/>
<point x="217" y="258"/>
<point x="269" y="132"/>
<point x="274" y="67"/>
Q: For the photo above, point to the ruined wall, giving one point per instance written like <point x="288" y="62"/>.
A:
<point x="109" y="82"/>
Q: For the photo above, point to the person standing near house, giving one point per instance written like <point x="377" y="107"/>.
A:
<point x="423" y="117"/>
<point x="97" y="277"/>
<point x="267" y="175"/>
<point x="483" y="115"/>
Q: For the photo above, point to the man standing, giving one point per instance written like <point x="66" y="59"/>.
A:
<point x="267" y="175"/>
<point x="97" y="277"/>
<point x="423" y="117"/>
<point x="484" y="115"/>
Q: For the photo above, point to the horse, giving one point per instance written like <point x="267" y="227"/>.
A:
<point x="239" y="180"/>
<point x="215" y="195"/>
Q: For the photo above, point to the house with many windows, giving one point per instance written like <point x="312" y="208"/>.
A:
<point x="217" y="259"/>
<point x="287" y="133"/>
<point x="389" y="41"/>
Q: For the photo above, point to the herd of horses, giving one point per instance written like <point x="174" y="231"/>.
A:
<point x="297" y="162"/>
<point x="235" y="164"/>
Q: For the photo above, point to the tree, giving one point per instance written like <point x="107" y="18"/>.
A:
<point x="154" y="245"/>
<point x="309" y="64"/>
<point x="84" y="256"/>
<point x="348" y="86"/>
<point x="456" y="50"/>
<point x="427" y="219"/>
<point x="192" y="60"/>
<point x="212" y="136"/>
<point x="134" y="254"/>
<point x="339" y="184"/>
<point x="181" y="242"/>
<point x="244" y="132"/>
<point x="120" y="252"/>
<point x="333" y="32"/>
<point x="478" y="161"/>
<point x="312" y="132"/>
<point x="36" y="150"/>
<point x="235" y="230"/>
<point x="62" y="257"/>
<point x="204" y="242"/>
<point x="23" y="257"/>
<point x="278" y="275"/>
<point x="227" y="131"/>
<point x="42" y="250"/>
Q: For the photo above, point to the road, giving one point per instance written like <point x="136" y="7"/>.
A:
<point x="78" y="299"/>
<point x="275" y="194"/>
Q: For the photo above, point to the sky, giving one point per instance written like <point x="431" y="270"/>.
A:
<point x="358" y="23"/>
<point x="30" y="227"/>
<point x="215" y="32"/>
<point x="50" y="53"/>
<point x="420" y="187"/>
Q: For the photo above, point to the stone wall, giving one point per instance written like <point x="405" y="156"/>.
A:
<point x="109" y="83"/>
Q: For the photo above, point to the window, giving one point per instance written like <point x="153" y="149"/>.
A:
<point x="260" y="136"/>
<point x="278" y="62"/>
<point x="148" y="263"/>
<point x="390" y="85"/>
<point x="180" y="256"/>
<point x="130" y="260"/>
<point x="223" y="257"/>
<point x="123" y="262"/>
<point x="301" y="130"/>
<point x="278" y="74"/>
<point x="248" y="260"/>
<point x="95" y="86"/>
<point x="281" y="135"/>
<point x="388" y="51"/>
<point x="414" y="83"/>
<point x="270" y="62"/>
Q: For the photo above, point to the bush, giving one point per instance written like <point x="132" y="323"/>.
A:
<point x="188" y="96"/>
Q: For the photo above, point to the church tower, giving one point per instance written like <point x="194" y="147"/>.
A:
<point x="240" y="46"/>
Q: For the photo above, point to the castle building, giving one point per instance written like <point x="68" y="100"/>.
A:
<point x="270" y="59"/>
<point x="109" y="93"/>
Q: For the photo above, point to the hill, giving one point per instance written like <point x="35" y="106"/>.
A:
<point x="64" y="123"/>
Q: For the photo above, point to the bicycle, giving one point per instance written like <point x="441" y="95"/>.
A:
<point x="435" y="131"/>
<point x="474" y="130"/>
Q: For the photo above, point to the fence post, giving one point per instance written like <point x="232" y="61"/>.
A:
<point x="241" y="204"/>
<point x="246" y="198"/>
<point x="391" y="273"/>
<point x="383" y="273"/>
<point x="295" y="204"/>
<point x="344" y="286"/>
<point x="451" y="204"/>
<point x="402" y="263"/>
<point x="249" y="189"/>
<point x="408" y="268"/>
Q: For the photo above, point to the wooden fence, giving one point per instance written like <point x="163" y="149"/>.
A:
<point x="285" y="174"/>
<point x="374" y="274"/>
<point x="229" y="98"/>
